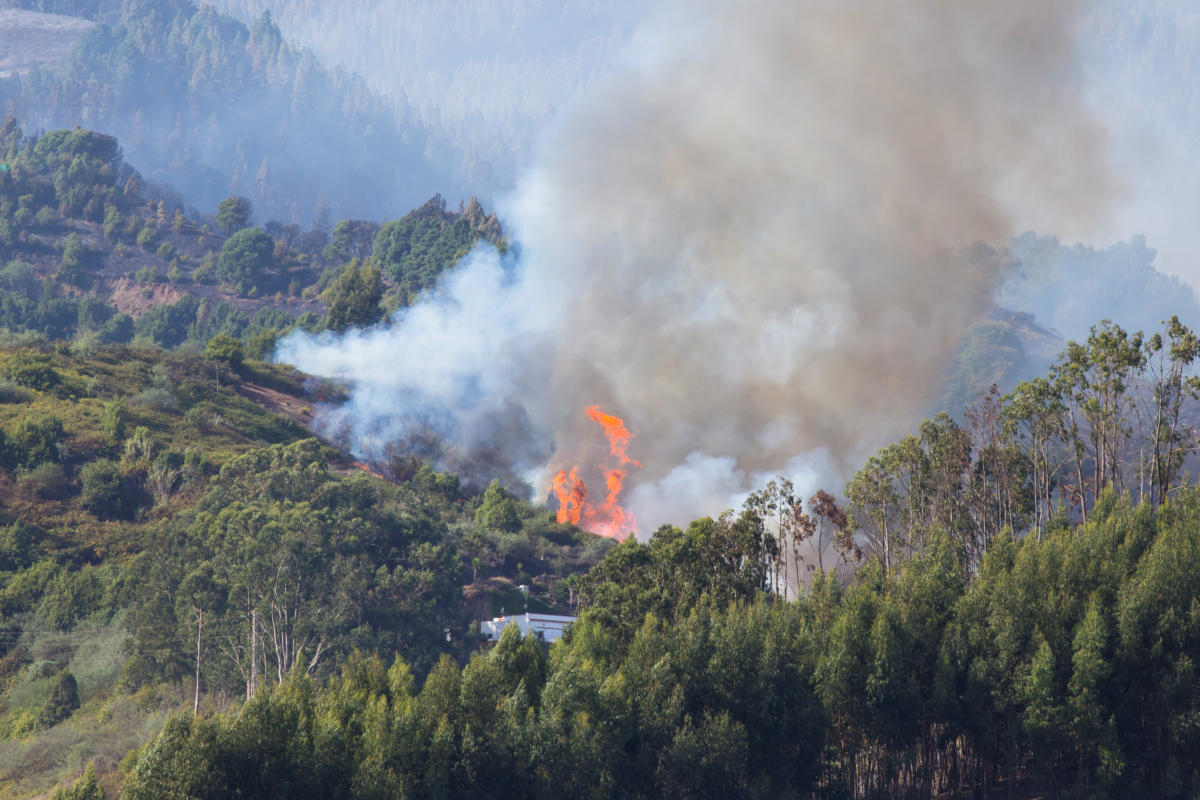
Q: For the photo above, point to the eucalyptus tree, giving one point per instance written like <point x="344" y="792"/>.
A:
<point x="1168" y="359"/>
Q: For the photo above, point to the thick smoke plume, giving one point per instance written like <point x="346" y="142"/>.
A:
<point x="744" y="243"/>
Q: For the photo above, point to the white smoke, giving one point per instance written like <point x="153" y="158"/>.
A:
<point x="744" y="243"/>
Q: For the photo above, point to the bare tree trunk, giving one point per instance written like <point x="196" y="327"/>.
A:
<point x="252" y="686"/>
<point x="199" y="630"/>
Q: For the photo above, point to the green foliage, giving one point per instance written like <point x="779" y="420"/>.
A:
<point x="75" y="258"/>
<point x="71" y="596"/>
<point x="47" y="481"/>
<point x="33" y="442"/>
<point x="32" y="369"/>
<point x="233" y="214"/>
<point x="62" y="702"/>
<point x="416" y="249"/>
<point x="17" y="546"/>
<point x="104" y="491"/>
<point x="224" y="347"/>
<point x="86" y="788"/>
<point x="207" y="269"/>
<point x="352" y="299"/>
<point x="497" y="511"/>
<point x="352" y="240"/>
<point x="245" y="256"/>
<point x="146" y="237"/>
<point x="355" y="569"/>
<point x="115" y="418"/>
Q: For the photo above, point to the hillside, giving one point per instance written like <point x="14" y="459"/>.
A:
<point x="214" y="107"/>
<point x="130" y="475"/>
<point x="29" y="39"/>
<point x="90" y="249"/>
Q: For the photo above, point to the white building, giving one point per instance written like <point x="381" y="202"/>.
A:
<point x="547" y="627"/>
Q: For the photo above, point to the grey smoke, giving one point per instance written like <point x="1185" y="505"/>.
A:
<point x="745" y="242"/>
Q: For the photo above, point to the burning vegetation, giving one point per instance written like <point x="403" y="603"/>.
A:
<point x="608" y="518"/>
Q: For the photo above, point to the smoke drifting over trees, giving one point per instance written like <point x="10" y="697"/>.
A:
<point x="215" y="107"/>
<point x="746" y="243"/>
<point x="482" y="76"/>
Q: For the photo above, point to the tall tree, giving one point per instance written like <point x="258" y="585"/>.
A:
<point x="352" y="299"/>
<point x="1168" y="359"/>
<point x="233" y="214"/>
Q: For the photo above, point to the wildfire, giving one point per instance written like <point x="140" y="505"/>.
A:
<point x="618" y="435"/>
<point x="368" y="470"/>
<point x="608" y="518"/>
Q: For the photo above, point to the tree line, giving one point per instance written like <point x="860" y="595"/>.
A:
<point x="1005" y="605"/>
<point x="1064" y="666"/>
<point x="1116" y="412"/>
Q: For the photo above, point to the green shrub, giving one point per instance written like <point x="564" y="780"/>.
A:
<point x="17" y="546"/>
<point x="32" y="369"/>
<point x="224" y="347"/>
<point x="104" y="491"/>
<point x="156" y="397"/>
<point x="498" y="511"/>
<point x="62" y="702"/>
<point x="46" y="218"/>
<point x="116" y="415"/>
<point x="70" y="597"/>
<point x="86" y="788"/>
<point x="34" y="442"/>
<point x="46" y="480"/>
<point x="12" y="393"/>
<point x="146" y="237"/>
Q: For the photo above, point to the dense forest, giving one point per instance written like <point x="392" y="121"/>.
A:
<point x="173" y="537"/>
<point x="215" y="107"/>
<point x="92" y="251"/>
<point x="1004" y="606"/>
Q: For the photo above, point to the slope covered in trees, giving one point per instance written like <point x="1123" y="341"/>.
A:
<point x="172" y="536"/>
<point x="1062" y="666"/>
<point x="215" y="107"/>
<point x="1001" y="607"/>
<point x="91" y="251"/>
<point x="169" y="546"/>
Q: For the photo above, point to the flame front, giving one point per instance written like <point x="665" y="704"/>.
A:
<point x="571" y="494"/>
<point x="369" y="471"/>
<point x="618" y="435"/>
<point x="608" y="518"/>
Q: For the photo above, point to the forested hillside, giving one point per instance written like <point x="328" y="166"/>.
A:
<point x="93" y="252"/>
<point x="1007" y="607"/>
<point x="755" y="248"/>
<point x="148" y="455"/>
<point x="172" y="537"/>
<point x="214" y="107"/>
<point x="1001" y="600"/>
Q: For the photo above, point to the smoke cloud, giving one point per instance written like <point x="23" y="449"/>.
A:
<point x="745" y="242"/>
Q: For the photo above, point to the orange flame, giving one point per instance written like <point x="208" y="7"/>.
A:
<point x="571" y="494"/>
<point x="368" y="470"/>
<point x="608" y="518"/>
<point x="618" y="435"/>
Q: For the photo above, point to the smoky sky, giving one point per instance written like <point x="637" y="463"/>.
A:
<point x="747" y="242"/>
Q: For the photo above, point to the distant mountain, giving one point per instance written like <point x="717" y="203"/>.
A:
<point x="1049" y="293"/>
<point x="485" y="77"/>
<point x="216" y="108"/>
<point x="1070" y="288"/>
